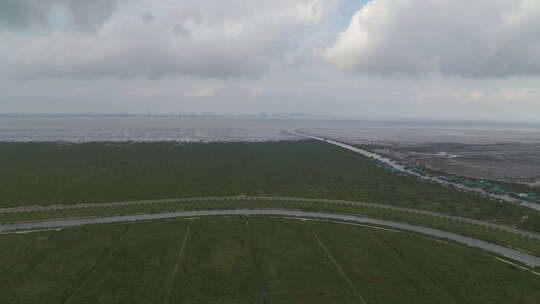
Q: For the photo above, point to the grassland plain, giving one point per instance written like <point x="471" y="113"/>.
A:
<point x="50" y="173"/>
<point x="251" y="260"/>
<point x="498" y="236"/>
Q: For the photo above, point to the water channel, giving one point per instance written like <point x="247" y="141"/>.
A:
<point x="401" y="168"/>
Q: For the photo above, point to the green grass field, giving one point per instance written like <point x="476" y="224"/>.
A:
<point x="251" y="260"/>
<point x="50" y="173"/>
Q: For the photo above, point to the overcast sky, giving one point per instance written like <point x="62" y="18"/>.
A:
<point x="463" y="59"/>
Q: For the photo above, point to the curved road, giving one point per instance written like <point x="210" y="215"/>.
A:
<point x="507" y="252"/>
<point x="271" y="198"/>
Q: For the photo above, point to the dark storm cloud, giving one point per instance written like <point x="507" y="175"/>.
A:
<point x="147" y="38"/>
<point x="21" y="13"/>
<point x="29" y="14"/>
<point x="91" y="13"/>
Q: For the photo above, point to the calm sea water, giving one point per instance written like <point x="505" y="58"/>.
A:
<point x="206" y="129"/>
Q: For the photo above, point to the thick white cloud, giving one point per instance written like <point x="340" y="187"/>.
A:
<point x="147" y="38"/>
<point x="480" y="38"/>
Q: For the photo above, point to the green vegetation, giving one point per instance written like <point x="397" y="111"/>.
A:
<point x="251" y="260"/>
<point x="489" y="185"/>
<point x="498" y="236"/>
<point x="50" y="173"/>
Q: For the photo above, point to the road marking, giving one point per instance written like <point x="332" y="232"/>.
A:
<point x="519" y="266"/>
<point x="339" y="222"/>
<point x="30" y="231"/>
<point x="339" y="269"/>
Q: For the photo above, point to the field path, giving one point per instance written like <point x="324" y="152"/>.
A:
<point x="93" y="269"/>
<point x="339" y="269"/>
<point x="260" y="274"/>
<point x="177" y="265"/>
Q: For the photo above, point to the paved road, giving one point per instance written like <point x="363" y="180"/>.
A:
<point x="271" y="198"/>
<point x="504" y="251"/>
